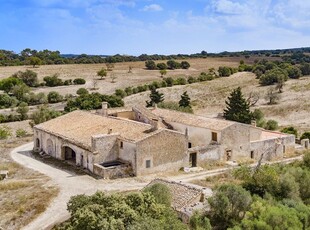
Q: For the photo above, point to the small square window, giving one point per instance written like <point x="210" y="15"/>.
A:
<point x="189" y="145"/>
<point x="121" y="145"/>
<point x="148" y="163"/>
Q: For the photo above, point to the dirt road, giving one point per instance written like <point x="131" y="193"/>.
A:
<point x="69" y="184"/>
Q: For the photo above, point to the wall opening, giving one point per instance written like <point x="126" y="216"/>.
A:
<point x="121" y="145"/>
<point x="193" y="159"/>
<point x="70" y="154"/>
<point x="252" y="154"/>
<point x="49" y="144"/>
<point x="228" y="155"/>
<point x="189" y="145"/>
<point x="82" y="161"/>
<point x="214" y="136"/>
<point x="283" y="148"/>
<point x="148" y="163"/>
<point x="37" y="143"/>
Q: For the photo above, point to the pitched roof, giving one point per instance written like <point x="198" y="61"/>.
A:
<point x="145" y="111"/>
<point x="192" y="120"/>
<point x="182" y="194"/>
<point x="79" y="126"/>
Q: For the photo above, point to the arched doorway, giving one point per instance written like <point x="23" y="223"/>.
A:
<point x="50" y="148"/>
<point x="69" y="154"/>
<point x="37" y="143"/>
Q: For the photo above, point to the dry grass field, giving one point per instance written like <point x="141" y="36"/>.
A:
<point x="139" y="75"/>
<point x="208" y="98"/>
<point x="25" y="194"/>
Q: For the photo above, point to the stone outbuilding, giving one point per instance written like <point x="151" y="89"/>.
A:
<point x="186" y="198"/>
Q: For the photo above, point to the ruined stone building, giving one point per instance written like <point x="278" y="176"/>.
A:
<point x="186" y="198"/>
<point x="141" y="141"/>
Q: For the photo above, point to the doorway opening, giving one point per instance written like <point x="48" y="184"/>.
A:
<point x="193" y="159"/>
<point x="69" y="154"/>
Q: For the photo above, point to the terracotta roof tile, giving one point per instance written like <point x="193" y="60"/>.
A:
<point x="192" y="120"/>
<point x="79" y="126"/>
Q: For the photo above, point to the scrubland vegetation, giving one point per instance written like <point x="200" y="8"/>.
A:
<point x="268" y="197"/>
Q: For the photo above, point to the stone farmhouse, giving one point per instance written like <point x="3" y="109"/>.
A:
<point x="142" y="141"/>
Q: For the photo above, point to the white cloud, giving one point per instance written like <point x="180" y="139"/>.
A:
<point x="229" y="7"/>
<point x="152" y="7"/>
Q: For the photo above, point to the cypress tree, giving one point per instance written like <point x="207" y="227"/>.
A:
<point x="155" y="97"/>
<point x="185" y="100"/>
<point x="237" y="108"/>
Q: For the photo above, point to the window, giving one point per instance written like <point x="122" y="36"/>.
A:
<point x="189" y="145"/>
<point x="252" y="154"/>
<point x="121" y="145"/>
<point x="214" y="136"/>
<point x="148" y="163"/>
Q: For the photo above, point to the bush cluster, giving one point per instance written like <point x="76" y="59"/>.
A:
<point x="171" y="64"/>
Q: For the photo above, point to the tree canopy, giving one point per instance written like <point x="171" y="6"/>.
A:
<point x="237" y="108"/>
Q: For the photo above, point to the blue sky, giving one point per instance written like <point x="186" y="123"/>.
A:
<point x="153" y="26"/>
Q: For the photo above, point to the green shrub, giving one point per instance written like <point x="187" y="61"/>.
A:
<point x="68" y="82"/>
<point x="121" y="93"/>
<point x="174" y="106"/>
<point x="128" y="91"/>
<point x="271" y="125"/>
<point x="21" y="133"/>
<point x="162" y="66"/>
<point x="290" y="130"/>
<point x="53" y="81"/>
<point x="180" y="81"/>
<point x="5" y="132"/>
<point x="185" y="65"/>
<point x="191" y="80"/>
<point x="225" y="71"/>
<point x="169" y="81"/>
<point x="79" y="81"/>
<point x="54" y="97"/>
<point x="161" y="193"/>
<point x="305" y="135"/>
<point x="81" y="91"/>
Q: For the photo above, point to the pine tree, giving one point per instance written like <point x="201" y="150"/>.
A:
<point x="155" y="97"/>
<point x="237" y="108"/>
<point x="185" y="100"/>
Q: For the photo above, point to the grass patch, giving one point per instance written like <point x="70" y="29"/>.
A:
<point x="14" y="185"/>
<point x="12" y="167"/>
<point x="209" y="165"/>
<point x="213" y="181"/>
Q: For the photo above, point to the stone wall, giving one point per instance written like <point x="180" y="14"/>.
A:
<point x="212" y="152"/>
<point x="119" y="171"/>
<point x="236" y="138"/>
<point x="106" y="147"/>
<point x="128" y="153"/>
<point x="196" y="136"/>
<point x="274" y="148"/>
<point x="255" y="133"/>
<point x="55" y="146"/>
<point x="165" y="151"/>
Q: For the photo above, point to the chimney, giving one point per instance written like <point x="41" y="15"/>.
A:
<point x="155" y="124"/>
<point x="104" y="109"/>
<point x="109" y="131"/>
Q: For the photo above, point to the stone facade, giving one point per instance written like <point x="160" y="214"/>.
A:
<point x="154" y="140"/>
<point x="151" y="150"/>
